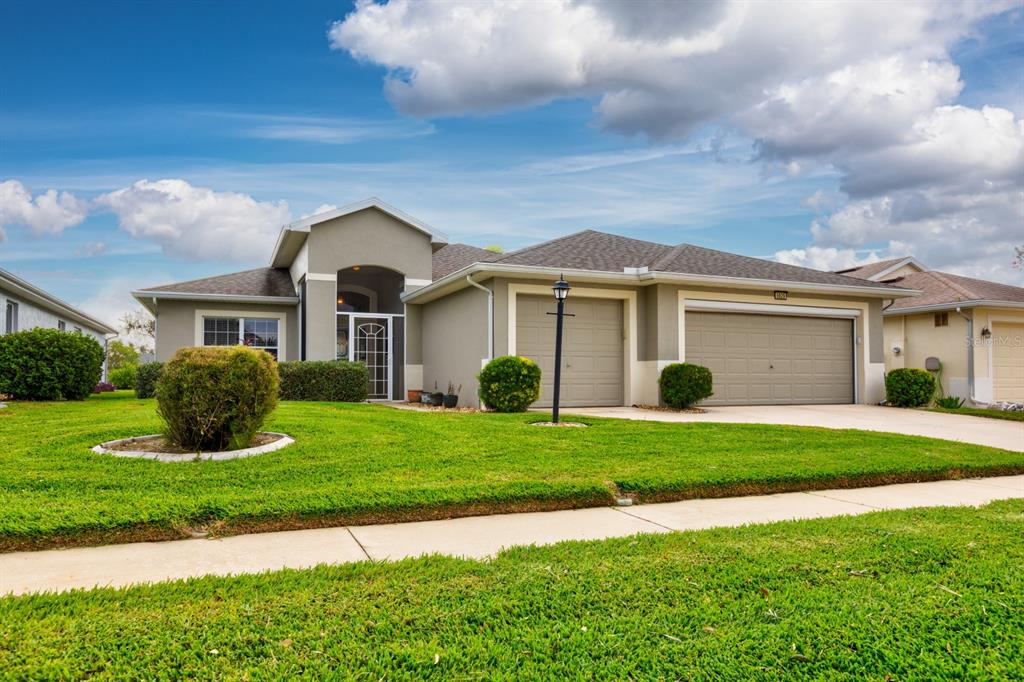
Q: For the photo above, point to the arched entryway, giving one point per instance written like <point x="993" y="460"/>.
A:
<point x="371" y="326"/>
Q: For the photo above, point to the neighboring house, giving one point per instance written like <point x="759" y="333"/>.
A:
<point x="975" y="328"/>
<point x="369" y="282"/>
<point x="26" y="306"/>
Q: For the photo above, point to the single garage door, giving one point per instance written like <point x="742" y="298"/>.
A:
<point x="773" y="359"/>
<point x="592" y="356"/>
<point x="1008" y="361"/>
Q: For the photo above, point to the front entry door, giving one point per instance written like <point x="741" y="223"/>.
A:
<point x="372" y="346"/>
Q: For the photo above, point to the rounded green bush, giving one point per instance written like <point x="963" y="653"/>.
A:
<point x="123" y="377"/>
<point x="509" y="384"/>
<point x="909" y="387"/>
<point x="146" y="376"/>
<point x="216" y="397"/>
<point x="683" y="384"/>
<point x="48" y="364"/>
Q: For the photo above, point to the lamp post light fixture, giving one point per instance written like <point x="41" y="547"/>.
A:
<point x="561" y="290"/>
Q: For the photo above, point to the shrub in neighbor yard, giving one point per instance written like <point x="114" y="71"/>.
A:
<point x="909" y="387"/>
<point x="48" y="364"/>
<point x="509" y="383"/>
<point x="104" y="387"/>
<point x="328" y="380"/>
<point x="123" y="377"/>
<point x="146" y="376"/>
<point x="216" y="397"/>
<point x="684" y="385"/>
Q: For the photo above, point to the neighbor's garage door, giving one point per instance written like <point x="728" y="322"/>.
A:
<point x="1008" y="361"/>
<point x="772" y="359"/>
<point x="592" y="356"/>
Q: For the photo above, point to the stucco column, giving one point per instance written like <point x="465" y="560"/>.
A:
<point x="321" y="319"/>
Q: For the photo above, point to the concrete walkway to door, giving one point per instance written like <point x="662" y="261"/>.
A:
<point x="475" y="537"/>
<point x="997" y="433"/>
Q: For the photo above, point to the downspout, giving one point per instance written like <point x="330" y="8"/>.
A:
<point x="970" y="355"/>
<point x="490" y="315"/>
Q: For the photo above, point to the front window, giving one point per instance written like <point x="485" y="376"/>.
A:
<point x="61" y="325"/>
<point x="255" y="332"/>
<point x="11" y="317"/>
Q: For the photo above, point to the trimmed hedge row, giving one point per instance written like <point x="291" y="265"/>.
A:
<point x="326" y="380"/>
<point x="48" y="364"/>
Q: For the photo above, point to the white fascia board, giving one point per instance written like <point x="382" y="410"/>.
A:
<point x="148" y="296"/>
<point x="457" y="280"/>
<point x="938" y="307"/>
<point x="33" y="294"/>
<point x="909" y="260"/>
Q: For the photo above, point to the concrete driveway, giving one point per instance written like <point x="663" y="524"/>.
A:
<point x="998" y="433"/>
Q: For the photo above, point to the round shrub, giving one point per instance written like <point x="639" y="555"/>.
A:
<point x="909" y="387"/>
<point x="123" y="377"/>
<point x="509" y="383"/>
<point x="216" y="398"/>
<point x="48" y="364"/>
<point x="684" y="385"/>
<point x="146" y="376"/>
<point x="327" y="380"/>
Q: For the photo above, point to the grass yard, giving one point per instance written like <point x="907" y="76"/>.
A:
<point x="918" y="594"/>
<point x="365" y="463"/>
<point x="980" y="412"/>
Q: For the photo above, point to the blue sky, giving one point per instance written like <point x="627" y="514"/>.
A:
<point x="258" y="100"/>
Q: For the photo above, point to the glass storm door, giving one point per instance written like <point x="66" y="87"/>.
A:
<point x="372" y="346"/>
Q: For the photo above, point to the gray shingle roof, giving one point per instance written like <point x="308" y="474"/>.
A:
<point x="454" y="257"/>
<point x="870" y="269"/>
<point x="256" y="282"/>
<point x="592" y="250"/>
<point x="939" y="288"/>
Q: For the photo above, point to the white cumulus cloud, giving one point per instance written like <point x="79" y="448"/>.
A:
<point x="198" y="223"/>
<point x="48" y="213"/>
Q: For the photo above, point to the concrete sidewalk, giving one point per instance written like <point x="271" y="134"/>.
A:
<point x="996" y="433"/>
<point x="476" y="537"/>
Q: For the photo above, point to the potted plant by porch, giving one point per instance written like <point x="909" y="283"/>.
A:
<point x="437" y="397"/>
<point x="451" y="398"/>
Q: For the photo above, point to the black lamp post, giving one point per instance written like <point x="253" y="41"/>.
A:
<point x="561" y="290"/>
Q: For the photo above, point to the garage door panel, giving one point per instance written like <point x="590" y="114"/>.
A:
<point x="1007" y="361"/>
<point x="592" y="348"/>
<point x="761" y="359"/>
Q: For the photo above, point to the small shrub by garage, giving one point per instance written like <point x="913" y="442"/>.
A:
<point x="327" y="380"/>
<point x="48" y="364"/>
<point x="146" y="376"/>
<point x="509" y="384"/>
<point x="216" y="398"/>
<point x="683" y="384"/>
<point x="909" y="387"/>
<point x="123" y="377"/>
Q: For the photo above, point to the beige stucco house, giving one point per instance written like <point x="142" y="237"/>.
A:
<point x="369" y="282"/>
<point x="973" y="327"/>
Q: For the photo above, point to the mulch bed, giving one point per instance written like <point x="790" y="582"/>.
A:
<point x="162" y="445"/>
<point x="659" y="408"/>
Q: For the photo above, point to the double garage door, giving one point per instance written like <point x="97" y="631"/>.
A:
<point x="592" y="356"/>
<point x="755" y="359"/>
<point x="773" y="359"/>
<point x="1008" y="361"/>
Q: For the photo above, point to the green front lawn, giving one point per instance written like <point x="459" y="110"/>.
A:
<point x="919" y="594"/>
<point x="365" y="463"/>
<point x="981" y="412"/>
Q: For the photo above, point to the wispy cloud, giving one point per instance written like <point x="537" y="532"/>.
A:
<point x="324" y="129"/>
